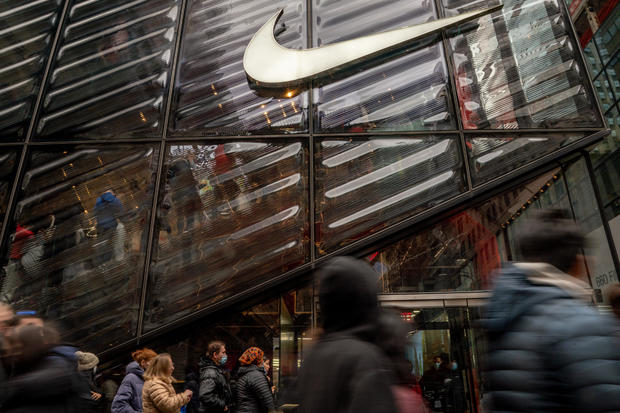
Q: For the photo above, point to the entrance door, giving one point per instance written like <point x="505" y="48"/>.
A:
<point x="444" y="348"/>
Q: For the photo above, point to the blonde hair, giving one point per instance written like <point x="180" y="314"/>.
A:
<point x="159" y="367"/>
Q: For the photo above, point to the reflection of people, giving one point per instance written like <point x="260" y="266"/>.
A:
<point x="215" y="395"/>
<point x="108" y="209"/>
<point x="345" y="371"/>
<point x="455" y="400"/>
<point x="434" y="384"/>
<point x="158" y="395"/>
<point x="252" y="392"/>
<point x="549" y="350"/>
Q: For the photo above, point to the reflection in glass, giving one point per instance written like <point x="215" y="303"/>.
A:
<point x="607" y="37"/>
<point x="25" y="40"/>
<point x="613" y="71"/>
<point x="459" y="253"/>
<point x="212" y="91"/>
<point x="493" y="156"/>
<point x="111" y="73"/>
<point x="593" y="59"/>
<point x="78" y="240"/>
<point x="403" y="94"/>
<point x="8" y="164"/>
<point x="519" y="69"/>
<point x="231" y="215"/>
<point x="605" y="94"/>
<point x="364" y="185"/>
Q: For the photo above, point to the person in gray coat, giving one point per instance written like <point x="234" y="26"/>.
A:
<point x="549" y="349"/>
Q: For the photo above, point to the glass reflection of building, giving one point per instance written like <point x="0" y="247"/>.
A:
<point x="149" y="195"/>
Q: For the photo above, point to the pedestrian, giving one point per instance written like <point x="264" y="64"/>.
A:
<point x="345" y="371"/>
<point x="434" y="384"/>
<point x="214" y="394"/>
<point x="87" y="366"/>
<point x="128" y="398"/>
<point x="549" y="349"/>
<point x="252" y="392"/>
<point x="158" y="395"/>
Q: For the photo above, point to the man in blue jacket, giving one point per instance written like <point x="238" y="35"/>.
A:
<point x="549" y="349"/>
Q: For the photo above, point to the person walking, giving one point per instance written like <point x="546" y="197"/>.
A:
<point x="252" y="392"/>
<point x="345" y="371"/>
<point x="128" y="398"/>
<point x="214" y="394"/>
<point x="158" y="395"/>
<point x="87" y="365"/>
<point x="549" y="349"/>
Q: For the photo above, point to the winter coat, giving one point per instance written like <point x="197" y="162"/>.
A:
<point x="214" y="393"/>
<point x="549" y="351"/>
<point x="128" y="398"/>
<point x="345" y="371"/>
<point x="160" y="397"/>
<point x="107" y="209"/>
<point x="50" y="385"/>
<point x="252" y="392"/>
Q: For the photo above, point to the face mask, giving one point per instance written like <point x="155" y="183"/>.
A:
<point x="224" y="359"/>
<point x="437" y="365"/>
<point x="454" y="366"/>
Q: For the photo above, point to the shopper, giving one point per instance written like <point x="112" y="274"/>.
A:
<point x="215" y="395"/>
<point x="549" y="349"/>
<point x="434" y="384"/>
<point x="345" y="371"/>
<point x="158" y="395"/>
<point x="252" y="392"/>
<point x="87" y="366"/>
<point x="128" y="398"/>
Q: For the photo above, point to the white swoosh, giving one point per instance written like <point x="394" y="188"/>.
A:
<point x="269" y="64"/>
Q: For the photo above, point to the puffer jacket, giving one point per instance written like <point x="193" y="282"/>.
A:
<point x="549" y="351"/>
<point x="160" y="397"/>
<point x="128" y="398"/>
<point x="214" y="393"/>
<point x="252" y="392"/>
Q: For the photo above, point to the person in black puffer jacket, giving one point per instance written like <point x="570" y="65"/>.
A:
<point x="252" y="392"/>
<point x="549" y="350"/>
<point x="214" y="393"/>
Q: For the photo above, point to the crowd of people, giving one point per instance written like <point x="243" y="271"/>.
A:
<point x="549" y="350"/>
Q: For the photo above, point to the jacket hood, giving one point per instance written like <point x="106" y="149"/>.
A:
<point x="348" y="296"/>
<point x="134" y="368"/>
<point x="518" y="289"/>
<point x="243" y="370"/>
<point x="66" y="351"/>
<point x="107" y="197"/>
<point x="207" y="362"/>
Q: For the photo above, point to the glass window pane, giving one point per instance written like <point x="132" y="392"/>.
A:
<point x="496" y="155"/>
<point x="405" y="93"/>
<point x="612" y="70"/>
<point x="604" y="92"/>
<point x="601" y="265"/>
<point x="459" y="253"/>
<point x="111" y="73"/>
<point x="78" y="240"/>
<point x="231" y="215"/>
<point x="519" y="69"/>
<point x="593" y="59"/>
<point x="25" y="40"/>
<point x="363" y="185"/>
<point x="607" y="37"/>
<point x="212" y="91"/>
<point x="8" y="165"/>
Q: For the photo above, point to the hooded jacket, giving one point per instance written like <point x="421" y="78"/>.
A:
<point x="107" y="209"/>
<point x="128" y="398"/>
<point x="345" y="371"/>
<point x="214" y="393"/>
<point x="549" y="351"/>
<point x="252" y="392"/>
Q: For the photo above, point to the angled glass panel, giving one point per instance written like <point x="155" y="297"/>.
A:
<point x="212" y="94"/>
<point x="364" y="185"/>
<point x="231" y="215"/>
<point x="593" y="59"/>
<point x="604" y="92"/>
<point x="112" y="70"/>
<point x="461" y="252"/>
<point x="78" y="239"/>
<point x="613" y="70"/>
<point x="26" y="35"/>
<point x="607" y="37"/>
<point x="493" y="156"/>
<point x="405" y="91"/>
<point x="519" y="68"/>
<point x="8" y="166"/>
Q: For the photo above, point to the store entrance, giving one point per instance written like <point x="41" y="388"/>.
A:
<point x="445" y="347"/>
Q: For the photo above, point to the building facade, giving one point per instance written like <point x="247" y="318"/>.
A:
<point x="150" y="195"/>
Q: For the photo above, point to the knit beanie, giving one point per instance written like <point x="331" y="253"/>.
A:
<point x="86" y="361"/>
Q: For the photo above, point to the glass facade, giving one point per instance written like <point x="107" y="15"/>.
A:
<point x="144" y="183"/>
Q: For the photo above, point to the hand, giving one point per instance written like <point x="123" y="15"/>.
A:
<point x="95" y="396"/>
<point x="188" y="393"/>
<point x="226" y="408"/>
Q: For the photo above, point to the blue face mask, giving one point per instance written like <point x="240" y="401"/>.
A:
<point x="437" y="365"/>
<point x="224" y="359"/>
<point x="455" y="366"/>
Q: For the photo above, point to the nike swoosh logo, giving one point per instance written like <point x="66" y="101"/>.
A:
<point x="269" y="64"/>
